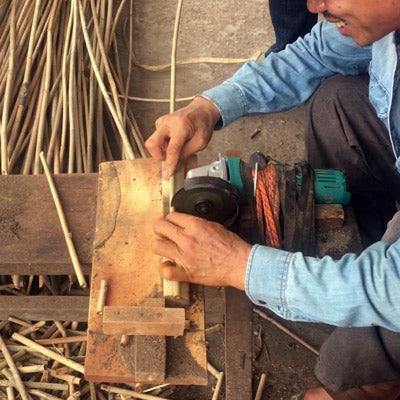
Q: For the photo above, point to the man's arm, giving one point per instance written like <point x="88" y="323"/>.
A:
<point x="288" y="78"/>
<point x="281" y="81"/>
<point x="353" y="291"/>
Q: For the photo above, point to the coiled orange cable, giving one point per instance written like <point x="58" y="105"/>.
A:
<point x="268" y="205"/>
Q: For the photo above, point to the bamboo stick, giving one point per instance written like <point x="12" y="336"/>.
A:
<point x="126" y="145"/>
<point x="260" y="387"/>
<point x="64" y="225"/>
<point x="62" y="340"/>
<point x="7" y="96"/>
<point x="36" y="385"/>
<point x="287" y="331"/>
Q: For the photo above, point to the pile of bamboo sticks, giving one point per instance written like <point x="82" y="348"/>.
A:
<point x="46" y="360"/>
<point x="62" y="89"/>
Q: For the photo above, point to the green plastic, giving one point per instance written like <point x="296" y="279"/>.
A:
<point x="235" y="175"/>
<point x="329" y="187"/>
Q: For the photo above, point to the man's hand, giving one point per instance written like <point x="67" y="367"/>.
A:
<point x="203" y="252"/>
<point x="183" y="133"/>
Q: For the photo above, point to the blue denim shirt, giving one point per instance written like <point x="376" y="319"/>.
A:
<point x="356" y="290"/>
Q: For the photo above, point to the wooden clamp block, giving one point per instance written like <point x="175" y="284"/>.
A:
<point x="143" y="321"/>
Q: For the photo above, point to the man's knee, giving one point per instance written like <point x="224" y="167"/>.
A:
<point x="338" y="88"/>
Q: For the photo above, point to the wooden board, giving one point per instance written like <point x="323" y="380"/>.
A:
<point x="30" y="231"/>
<point x="45" y="308"/>
<point x="129" y="200"/>
<point x="238" y="345"/>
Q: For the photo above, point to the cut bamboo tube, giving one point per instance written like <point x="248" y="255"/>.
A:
<point x="10" y="393"/>
<point x="67" y="234"/>
<point x="101" y="300"/>
<point x="51" y="354"/>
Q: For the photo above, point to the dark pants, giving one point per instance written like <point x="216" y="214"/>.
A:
<point x="290" y="19"/>
<point x="343" y="132"/>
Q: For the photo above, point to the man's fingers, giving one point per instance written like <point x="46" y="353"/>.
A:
<point x="157" y="143"/>
<point x="173" y="272"/>
<point x="167" y="227"/>
<point x="164" y="248"/>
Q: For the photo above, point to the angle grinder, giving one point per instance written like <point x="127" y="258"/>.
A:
<point x="213" y="192"/>
<point x="216" y="191"/>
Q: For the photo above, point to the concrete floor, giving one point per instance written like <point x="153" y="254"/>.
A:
<point x="225" y="28"/>
<point x="233" y="29"/>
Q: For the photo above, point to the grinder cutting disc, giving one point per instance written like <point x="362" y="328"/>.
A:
<point x="208" y="197"/>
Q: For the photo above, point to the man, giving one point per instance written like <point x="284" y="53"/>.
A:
<point x="353" y="124"/>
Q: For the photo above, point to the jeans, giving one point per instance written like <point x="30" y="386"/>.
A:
<point x="290" y="19"/>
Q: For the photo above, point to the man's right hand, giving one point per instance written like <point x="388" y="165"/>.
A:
<point x="183" y="133"/>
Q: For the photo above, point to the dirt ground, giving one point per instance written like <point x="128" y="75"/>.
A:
<point x="230" y="29"/>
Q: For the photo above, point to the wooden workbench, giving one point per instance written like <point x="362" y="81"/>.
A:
<point x="32" y="243"/>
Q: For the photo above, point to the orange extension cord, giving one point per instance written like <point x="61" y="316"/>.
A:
<point x="268" y="205"/>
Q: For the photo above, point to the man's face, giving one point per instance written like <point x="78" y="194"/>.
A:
<point x="364" y="20"/>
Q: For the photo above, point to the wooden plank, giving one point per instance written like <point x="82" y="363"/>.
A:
<point x="143" y="321"/>
<point x="129" y="199"/>
<point x="45" y="308"/>
<point x="41" y="268"/>
<point x="30" y="231"/>
<point x="238" y="345"/>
